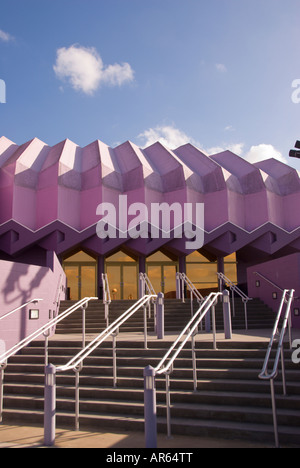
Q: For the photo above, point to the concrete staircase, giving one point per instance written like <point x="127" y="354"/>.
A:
<point x="231" y="402"/>
<point x="177" y="316"/>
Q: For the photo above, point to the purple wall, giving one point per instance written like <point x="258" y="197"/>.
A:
<point x="283" y="272"/>
<point x="19" y="283"/>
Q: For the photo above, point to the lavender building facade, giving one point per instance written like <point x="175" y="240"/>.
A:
<point x="48" y="220"/>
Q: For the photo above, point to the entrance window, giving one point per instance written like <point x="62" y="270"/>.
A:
<point x="203" y="273"/>
<point x="161" y="271"/>
<point x="122" y="272"/>
<point x="81" y="273"/>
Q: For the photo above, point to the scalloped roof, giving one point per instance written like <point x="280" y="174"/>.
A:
<point x="40" y="184"/>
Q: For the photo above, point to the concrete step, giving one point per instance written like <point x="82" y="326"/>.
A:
<point x="230" y="399"/>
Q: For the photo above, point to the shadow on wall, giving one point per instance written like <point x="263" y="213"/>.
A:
<point x="19" y="289"/>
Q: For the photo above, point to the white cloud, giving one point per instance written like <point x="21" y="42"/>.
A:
<point x="262" y="152"/>
<point x="168" y="135"/>
<point x="172" y="138"/>
<point x="221" y="67"/>
<point x="229" y="128"/>
<point x="83" y="68"/>
<point x="4" y="36"/>
<point x="236" y="148"/>
<point x="116" y="75"/>
<point x="255" y="153"/>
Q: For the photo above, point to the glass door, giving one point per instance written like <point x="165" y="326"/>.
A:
<point x="169" y="279"/>
<point x="81" y="273"/>
<point x="87" y="277"/>
<point x="161" y="271"/>
<point x="72" y="274"/>
<point x="122" y="272"/>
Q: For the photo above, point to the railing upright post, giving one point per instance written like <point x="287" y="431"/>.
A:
<point x="178" y="287"/>
<point x="145" y="327"/>
<point x="150" y="408"/>
<point x="46" y="335"/>
<point x="83" y="308"/>
<point x="141" y="285"/>
<point x="194" y="361"/>
<point x="168" y="403"/>
<point x="213" y="312"/>
<point x="77" y="397"/>
<point x="2" y="368"/>
<point x="115" y="378"/>
<point x="274" y="413"/>
<point x="50" y="406"/>
<point x="160" y="310"/>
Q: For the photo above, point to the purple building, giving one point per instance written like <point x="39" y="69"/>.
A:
<point x="48" y="222"/>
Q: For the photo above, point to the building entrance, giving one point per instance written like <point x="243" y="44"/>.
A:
<point x="161" y="271"/>
<point x="81" y="273"/>
<point x="122" y="273"/>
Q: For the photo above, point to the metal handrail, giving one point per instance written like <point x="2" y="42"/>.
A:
<point x="106" y="297"/>
<point x="190" y="331"/>
<point x="147" y="285"/>
<point x="185" y="280"/>
<point x="268" y="281"/>
<point x="45" y="330"/>
<point x="147" y="288"/>
<point x="33" y="301"/>
<point x="235" y="289"/>
<point x="58" y="291"/>
<point x="109" y="331"/>
<point x="287" y="298"/>
<point x="190" y="328"/>
<point x="76" y="364"/>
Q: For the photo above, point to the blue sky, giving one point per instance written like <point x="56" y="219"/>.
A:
<point x="218" y="73"/>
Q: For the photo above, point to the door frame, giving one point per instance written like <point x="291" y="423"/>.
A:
<point x="79" y="265"/>
<point x="121" y="265"/>
<point x="162" y="265"/>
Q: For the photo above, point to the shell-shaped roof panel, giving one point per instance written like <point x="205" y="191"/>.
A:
<point x="66" y="182"/>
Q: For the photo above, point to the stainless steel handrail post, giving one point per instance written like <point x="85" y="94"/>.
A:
<point x="168" y="403"/>
<point x="234" y="289"/>
<point x="271" y="376"/>
<point x="213" y="312"/>
<point x="145" y="328"/>
<point x="77" y="395"/>
<point x="166" y="365"/>
<point x="2" y="369"/>
<point x="194" y="361"/>
<point x="106" y="297"/>
<point x="274" y="411"/>
<point x="83" y="309"/>
<point x="114" y="345"/>
<point x="46" y="335"/>
<point x="76" y="363"/>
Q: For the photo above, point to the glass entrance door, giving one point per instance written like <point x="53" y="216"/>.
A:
<point x="122" y="272"/>
<point x="161" y="271"/>
<point x="81" y="273"/>
<point x="122" y="281"/>
<point x="163" y="278"/>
